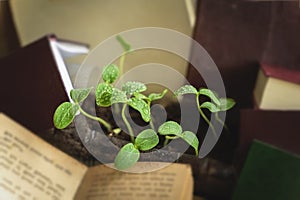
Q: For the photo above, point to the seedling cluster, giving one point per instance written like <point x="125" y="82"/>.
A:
<point x="131" y="95"/>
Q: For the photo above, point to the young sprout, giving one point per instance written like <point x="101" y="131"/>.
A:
<point x="131" y="94"/>
<point x="65" y="112"/>
<point x="216" y="104"/>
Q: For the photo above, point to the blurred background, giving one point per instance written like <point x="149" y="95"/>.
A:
<point x="239" y="35"/>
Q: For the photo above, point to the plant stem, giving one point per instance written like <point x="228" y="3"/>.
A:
<point x="152" y="125"/>
<point x="122" y="60"/>
<point x="102" y="121"/>
<point x="171" y="137"/>
<point x="221" y="122"/>
<point x="167" y="138"/>
<point x="127" y="124"/>
<point x="204" y="116"/>
<point x="166" y="141"/>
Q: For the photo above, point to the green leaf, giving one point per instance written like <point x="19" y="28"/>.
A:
<point x="127" y="157"/>
<point x="124" y="44"/>
<point x="104" y="94"/>
<point x="118" y="96"/>
<point x="146" y="140"/>
<point x="132" y="87"/>
<point x="170" y="128"/>
<point x="186" y="89"/>
<point x="226" y="104"/>
<point x="141" y="106"/>
<point x="191" y="139"/>
<point x="210" y="106"/>
<point x="64" y="114"/>
<point x="110" y="73"/>
<point x="141" y="96"/>
<point x="209" y="93"/>
<point x="79" y="95"/>
<point x="157" y="96"/>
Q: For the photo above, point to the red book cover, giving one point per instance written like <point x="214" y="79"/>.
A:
<point x="283" y="73"/>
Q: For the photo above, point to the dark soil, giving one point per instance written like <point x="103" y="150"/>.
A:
<point x="214" y="175"/>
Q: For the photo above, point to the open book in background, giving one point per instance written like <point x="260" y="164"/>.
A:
<point x="277" y="88"/>
<point x="34" y="80"/>
<point x="30" y="168"/>
<point x="269" y="173"/>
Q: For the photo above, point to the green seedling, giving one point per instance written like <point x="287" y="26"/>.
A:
<point x="215" y="106"/>
<point x="65" y="113"/>
<point x="131" y="95"/>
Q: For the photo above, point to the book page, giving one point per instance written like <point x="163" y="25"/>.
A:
<point x="170" y="183"/>
<point x="30" y="168"/>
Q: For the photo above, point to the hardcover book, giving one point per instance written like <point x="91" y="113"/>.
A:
<point x="269" y="173"/>
<point x="277" y="88"/>
<point x="34" y="80"/>
<point x="279" y="128"/>
<point x="30" y="168"/>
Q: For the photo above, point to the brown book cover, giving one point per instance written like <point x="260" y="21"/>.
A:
<point x="279" y="128"/>
<point x="33" y="82"/>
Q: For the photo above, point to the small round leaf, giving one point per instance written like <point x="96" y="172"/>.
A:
<point x="127" y="157"/>
<point x="157" y="96"/>
<point x="170" y="128"/>
<point x="104" y="94"/>
<point x="110" y="73"/>
<point x="79" y="95"/>
<point x="210" y="106"/>
<point x="226" y="104"/>
<point x="118" y="96"/>
<point x="64" y="115"/>
<point x="141" y="106"/>
<point x="146" y="140"/>
<point x="191" y="139"/>
<point x="209" y="93"/>
<point x="132" y="87"/>
<point x="186" y="89"/>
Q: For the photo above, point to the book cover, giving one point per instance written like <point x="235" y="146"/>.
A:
<point x="269" y="173"/>
<point x="280" y="128"/>
<point x="235" y="40"/>
<point x="277" y="88"/>
<point x="34" y="80"/>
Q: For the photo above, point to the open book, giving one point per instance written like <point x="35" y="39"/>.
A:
<point x="30" y="168"/>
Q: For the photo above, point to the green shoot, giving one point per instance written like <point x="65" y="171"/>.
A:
<point x="214" y="106"/>
<point x="172" y="130"/>
<point x="131" y="95"/>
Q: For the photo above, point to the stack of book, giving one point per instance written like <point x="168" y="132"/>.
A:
<point x="269" y="137"/>
<point x="275" y="116"/>
<point x="270" y="131"/>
